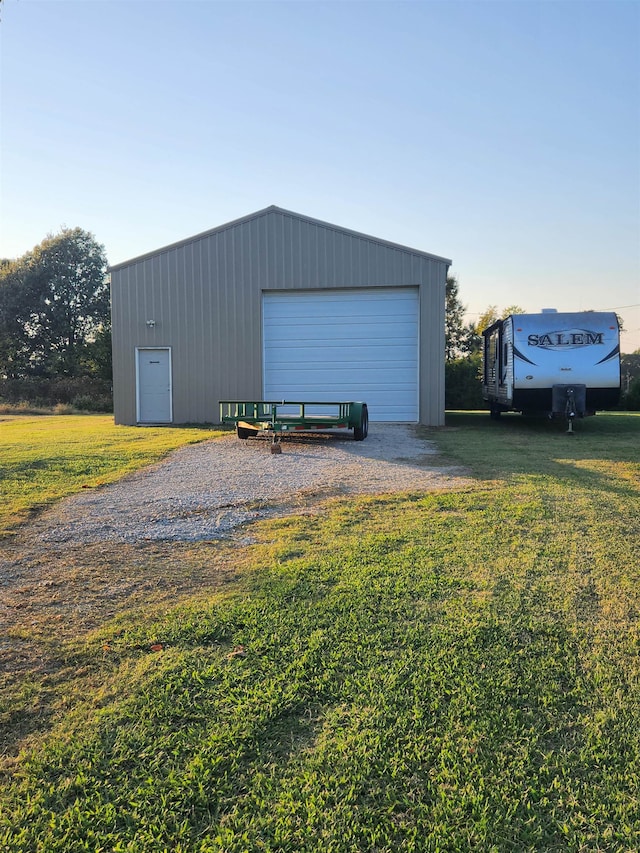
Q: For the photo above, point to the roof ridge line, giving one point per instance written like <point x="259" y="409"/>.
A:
<point x="273" y="208"/>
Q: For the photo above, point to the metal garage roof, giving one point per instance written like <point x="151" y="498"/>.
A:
<point x="278" y="210"/>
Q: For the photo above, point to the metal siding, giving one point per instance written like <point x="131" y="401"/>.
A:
<point x="119" y="344"/>
<point x="432" y="344"/>
<point x="205" y="296"/>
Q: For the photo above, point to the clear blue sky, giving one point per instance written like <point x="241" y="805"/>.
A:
<point x="503" y="135"/>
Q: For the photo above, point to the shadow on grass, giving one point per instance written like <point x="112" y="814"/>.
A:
<point x="607" y="423"/>
<point x="602" y="453"/>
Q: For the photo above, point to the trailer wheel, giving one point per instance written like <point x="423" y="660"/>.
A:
<point x="495" y="413"/>
<point x="360" y="432"/>
<point x="243" y="432"/>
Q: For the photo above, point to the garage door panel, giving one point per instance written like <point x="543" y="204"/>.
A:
<point x="332" y="310"/>
<point x="358" y="326"/>
<point x="373" y="381"/>
<point x="365" y="355"/>
<point x="342" y="314"/>
<point x="343" y="372"/>
<point x="344" y="345"/>
<point x="336" y="393"/>
<point x="355" y="329"/>
<point x="372" y="298"/>
<point x="393" y="336"/>
<point x="340" y="365"/>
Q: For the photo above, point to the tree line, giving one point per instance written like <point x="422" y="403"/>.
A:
<point x="55" y="332"/>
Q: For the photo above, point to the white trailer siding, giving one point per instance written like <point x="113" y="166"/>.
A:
<point x="563" y="348"/>
<point x="527" y="356"/>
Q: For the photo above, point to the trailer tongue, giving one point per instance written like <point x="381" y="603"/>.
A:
<point x="274" y="419"/>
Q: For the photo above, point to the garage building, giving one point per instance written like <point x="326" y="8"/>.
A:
<point x="278" y="306"/>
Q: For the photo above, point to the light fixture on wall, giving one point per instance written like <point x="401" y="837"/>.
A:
<point x="151" y="324"/>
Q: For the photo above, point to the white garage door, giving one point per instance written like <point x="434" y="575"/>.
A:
<point x="334" y="345"/>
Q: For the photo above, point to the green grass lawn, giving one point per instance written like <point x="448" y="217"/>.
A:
<point x="44" y="458"/>
<point x="448" y="671"/>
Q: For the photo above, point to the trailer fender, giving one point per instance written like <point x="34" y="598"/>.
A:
<point x="359" y="420"/>
<point x="244" y="430"/>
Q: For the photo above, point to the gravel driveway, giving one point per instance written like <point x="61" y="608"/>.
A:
<point x="204" y="491"/>
<point x="172" y="531"/>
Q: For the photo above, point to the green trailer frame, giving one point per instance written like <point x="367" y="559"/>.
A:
<point x="262" y="416"/>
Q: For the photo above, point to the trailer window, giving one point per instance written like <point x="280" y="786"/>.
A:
<point x="491" y="357"/>
<point x="505" y="360"/>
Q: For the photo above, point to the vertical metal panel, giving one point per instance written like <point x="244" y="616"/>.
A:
<point x="205" y="296"/>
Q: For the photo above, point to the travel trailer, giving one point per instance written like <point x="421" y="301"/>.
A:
<point x="554" y="364"/>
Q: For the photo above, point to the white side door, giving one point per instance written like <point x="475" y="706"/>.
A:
<point x="153" y="382"/>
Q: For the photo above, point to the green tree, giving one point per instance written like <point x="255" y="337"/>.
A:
<point x="455" y="330"/>
<point x="462" y="359"/>
<point x="463" y="371"/>
<point x="486" y="319"/>
<point x="16" y="297"/>
<point x="630" y="380"/>
<point x="463" y="389"/>
<point x="54" y="302"/>
<point x="96" y="356"/>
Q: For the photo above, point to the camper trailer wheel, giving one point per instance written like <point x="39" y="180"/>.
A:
<point x="495" y="413"/>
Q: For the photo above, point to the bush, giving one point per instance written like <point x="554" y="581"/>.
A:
<point x="92" y="403"/>
<point x="23" y="408"/>
<point x="463" y="388"/>
<point x="82" y="392"/>
<point x="631" y="400"/>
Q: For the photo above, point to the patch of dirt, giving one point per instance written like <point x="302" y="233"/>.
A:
<point x="62" y="593"/>
<point x="178" y="528"/>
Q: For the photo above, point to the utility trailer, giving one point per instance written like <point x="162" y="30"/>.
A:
<point x="274" y="419"/>
<point x="553" y="364"/>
